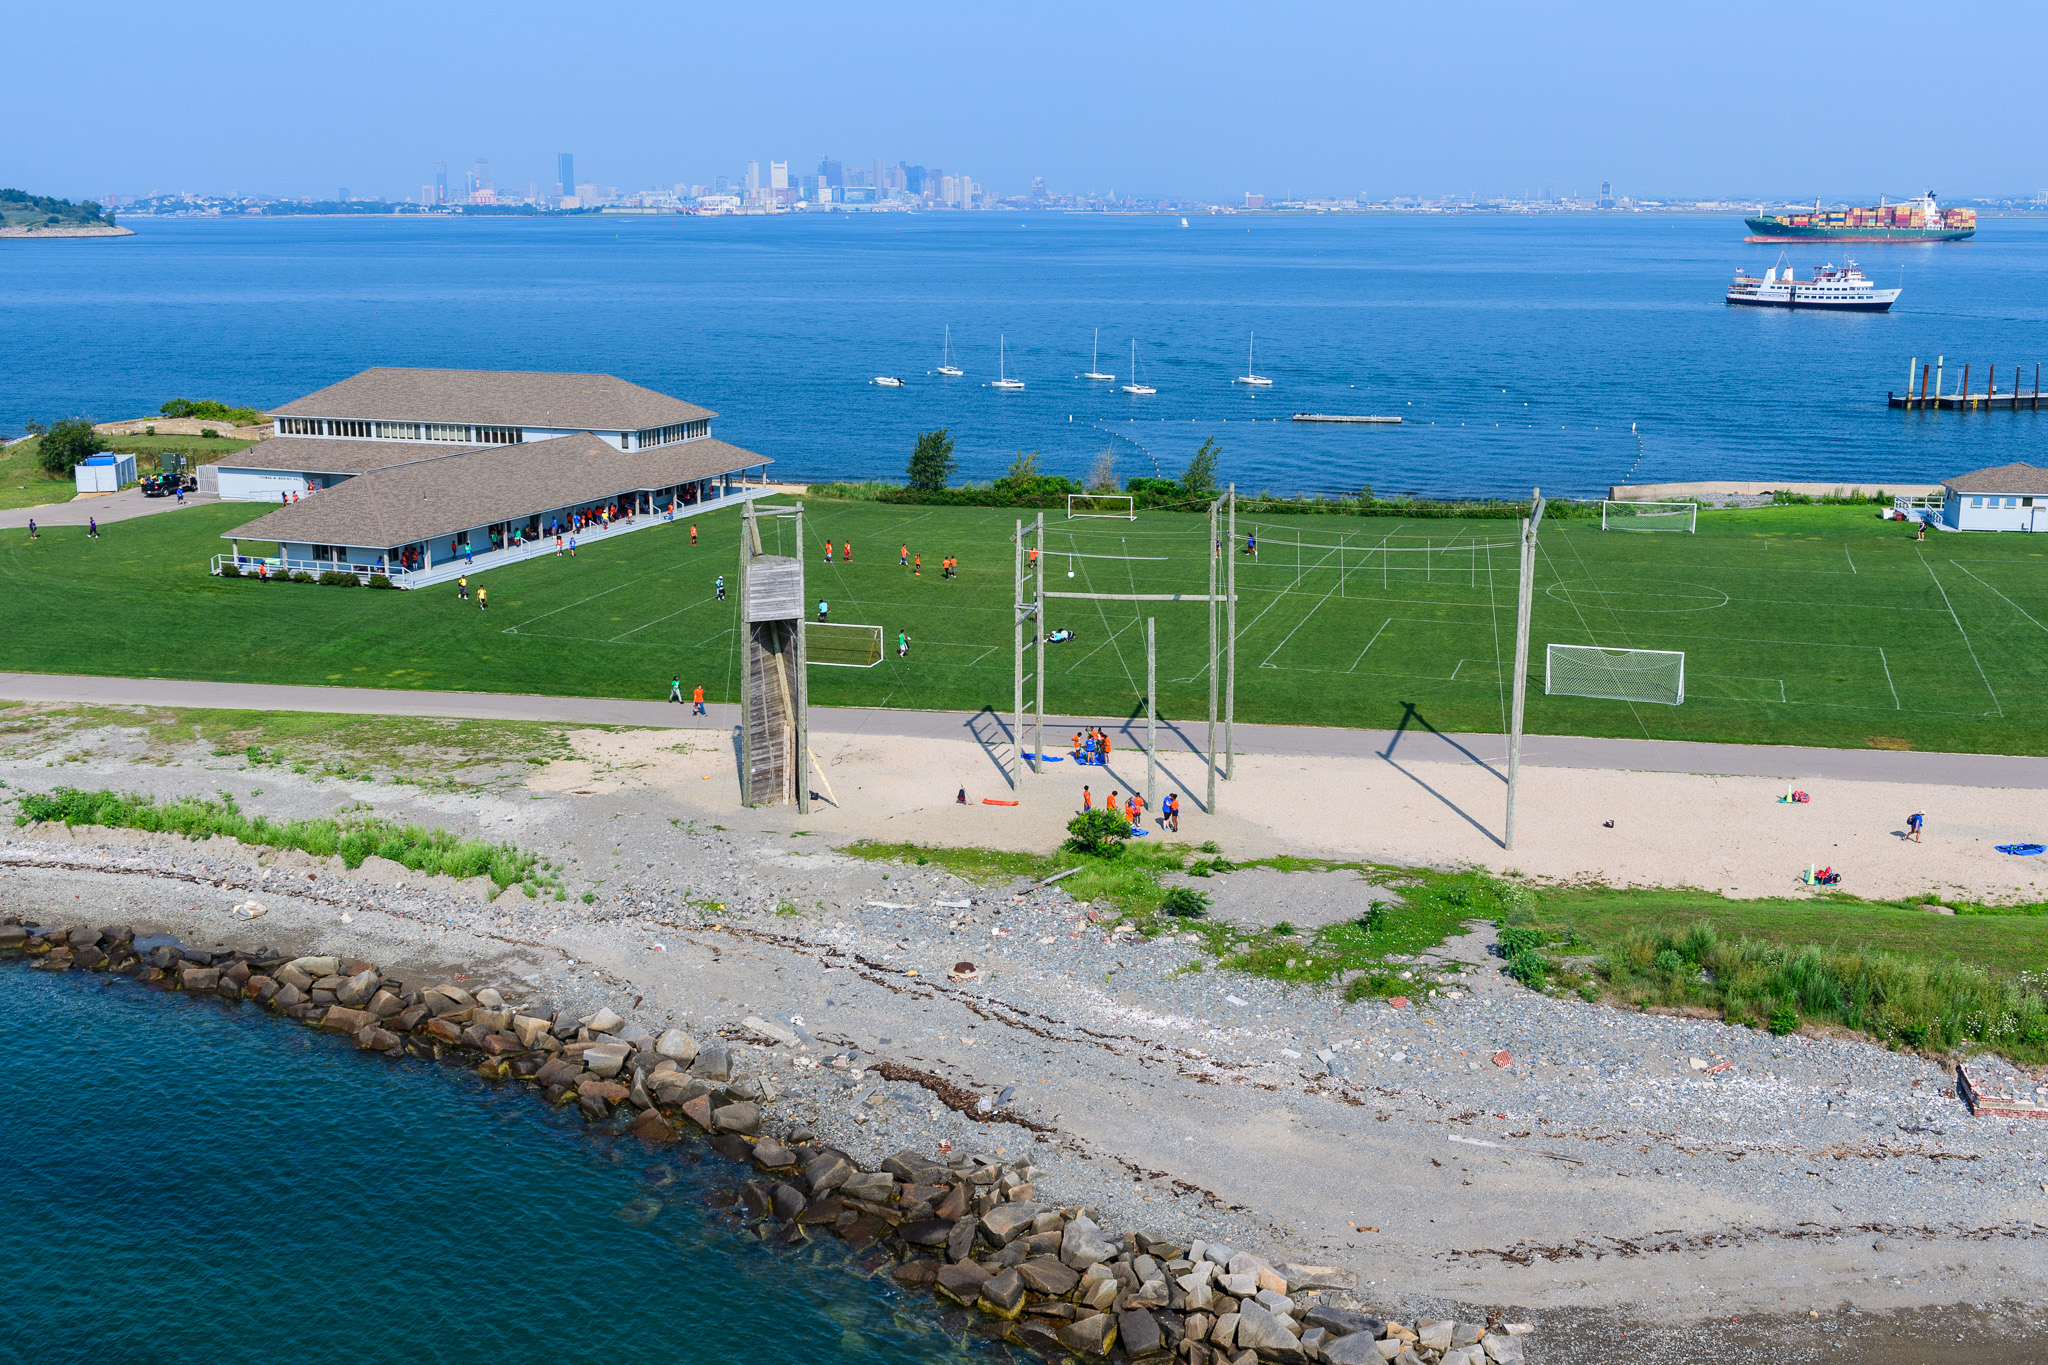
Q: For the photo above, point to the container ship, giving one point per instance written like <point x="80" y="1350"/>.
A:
<point x="1831" y="290"/>
<point x="1916" y="220"/>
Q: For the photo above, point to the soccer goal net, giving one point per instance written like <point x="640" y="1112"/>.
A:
<point x="1652" y="675"/>
<point x="1648" y="516"/>
<point x="1121" y="506"/>
<point x="838" y="645"/>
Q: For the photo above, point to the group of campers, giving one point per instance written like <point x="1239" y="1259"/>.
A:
<point x="1091" y="746"/>
<point x="1132" y="809"/>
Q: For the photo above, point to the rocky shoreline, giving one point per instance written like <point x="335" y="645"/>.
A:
<point x="976" y="1231"/>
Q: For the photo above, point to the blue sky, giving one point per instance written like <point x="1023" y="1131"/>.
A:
<point x="1200" y="98"/>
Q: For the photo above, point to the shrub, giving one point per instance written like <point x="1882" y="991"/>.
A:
<point x="229" y="569"/>
<point x="208" y="410"/>
<point x="1099" y="833"/>
<point x="301" y="576"/>
<point x="1784" y="1019"/>
<point x="1184" y="902"/>
<point x="1529" y="968"/>
<point x="1668" y="962"/>
<point x="931" y="462"/>
<point x="332" y="579"/>
<point x="378" y="580"/>
<point x="64" y="445"/>
<point x="1515" y="940"/>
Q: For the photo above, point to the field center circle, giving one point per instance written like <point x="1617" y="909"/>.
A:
<point x="1638" y="594"/>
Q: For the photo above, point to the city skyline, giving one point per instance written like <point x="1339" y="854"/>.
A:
<point x="1151" y="102"/>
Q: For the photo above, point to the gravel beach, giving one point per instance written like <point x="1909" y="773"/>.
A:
<point x="1641" y="1187"/>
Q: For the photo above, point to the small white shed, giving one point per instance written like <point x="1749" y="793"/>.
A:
<point x="105" y="473"/>
<point x="2007" y="497"/>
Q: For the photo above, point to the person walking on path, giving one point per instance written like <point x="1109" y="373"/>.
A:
<point x="1087" y="798"/>
<point x="697" y="700"/>
<point x="902" y="645"/>
<point x="92" y="528"/>
<point x="721" y="587"/>
<point x="558" y="547"/>
<point x="462" y="588"/>
<point x="1915" y="823"/>
<point x="1169" y="814"/>
<point x="483" y="597"/>
<point x="675" y="689"/>
<point x="1109" y="802"/>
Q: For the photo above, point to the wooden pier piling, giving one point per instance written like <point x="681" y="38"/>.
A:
<point x="2016" y="398"/>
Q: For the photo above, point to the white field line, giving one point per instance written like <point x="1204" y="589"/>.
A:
<point x="1996" y="704"/>
<point x="1846" y="555"/>
<point x="2007" y="600"/>
<point x="1370" y="643"/>
<point x="1888" y="679"/>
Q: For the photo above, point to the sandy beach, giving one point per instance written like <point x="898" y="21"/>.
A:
<point x="1600" y="1181"/>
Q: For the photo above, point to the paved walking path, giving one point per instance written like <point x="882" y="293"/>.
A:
<point x="1415" y="743"/>
<point x="108" y="509"/>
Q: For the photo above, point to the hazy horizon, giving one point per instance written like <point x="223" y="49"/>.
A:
<point x="1199" y="100"/>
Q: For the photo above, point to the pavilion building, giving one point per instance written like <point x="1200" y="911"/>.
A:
<point x="424" y="474"/>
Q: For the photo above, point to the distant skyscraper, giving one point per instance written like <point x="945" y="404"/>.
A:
<point x="832" y="173"/>
<point x="480" y="177"/>
<point x="1606" y="195"/>
<point x="753" y="184"/>
<point x="440" y="181"/>
<point x="875" y="175"/>
<point x="778" y="175"/>
<point x="565" y="174"/>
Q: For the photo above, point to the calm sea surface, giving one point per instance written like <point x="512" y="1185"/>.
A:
<point x="1519" y="351"/>
<point x="196" y="1182"/>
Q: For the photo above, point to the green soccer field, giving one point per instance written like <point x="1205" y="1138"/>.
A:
<point x="1806" y="625"/>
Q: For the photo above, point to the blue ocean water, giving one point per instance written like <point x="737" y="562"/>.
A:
<point x="1519" y="350"/>
<point x="191" y="1181"/>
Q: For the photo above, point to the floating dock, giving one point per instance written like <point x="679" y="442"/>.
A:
<point x="2018" y="397"/>
<point x="1339" y="417"/>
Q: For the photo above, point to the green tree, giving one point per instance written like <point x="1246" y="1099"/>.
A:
<point x="931" y="462"/>
<point x="1023" y="468"/>
<point x="1102" y="478"/>
<point x="1199" y="480"/>
<point x="64" y="444"/>
<point x="1098" y="832"/>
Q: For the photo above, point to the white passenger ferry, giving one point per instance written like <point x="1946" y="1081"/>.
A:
<point x="1843" y="290"/>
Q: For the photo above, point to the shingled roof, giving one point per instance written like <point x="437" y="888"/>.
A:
<point x="576" y="402"/>
<point x="2027" y="479"/>
<point x="400" y="504"/>
<point x="322" y="455"/>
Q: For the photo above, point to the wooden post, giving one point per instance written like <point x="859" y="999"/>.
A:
<point x="1938" y="395"/>
<point x="1923" y="385"/>
<point x="1017" y="626"/>
<point x="1230" y="648"/>
<point x="802" y="719"/>
<point x="1038" y="668"/>
<point x="1966" y="384"/>
<point x="1151" y="722"/>
<point x="1911" y="366"/>
<point x="1525" y="599"/>
<point x="1216" y="550"/>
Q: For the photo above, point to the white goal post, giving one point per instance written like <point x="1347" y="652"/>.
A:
<point x="1116" y="506"/>
<point x="1618" y="515"/>
<point x="1649" y="675"/>
<point x="836" y="644"/>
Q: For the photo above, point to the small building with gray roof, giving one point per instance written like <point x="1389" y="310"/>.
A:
<point x="2006" y="497"/>
<point x="424" y="474"/>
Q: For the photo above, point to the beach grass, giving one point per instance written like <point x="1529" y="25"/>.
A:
<point x="1801" y="624"/>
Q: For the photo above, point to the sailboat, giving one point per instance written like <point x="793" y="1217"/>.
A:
<point x="1002" y="379"/>
<point x="1134" y="386"/>
<point x="1095" y="365"/>
<point x="1251" y="374"/>
<point x="946" y="365"/>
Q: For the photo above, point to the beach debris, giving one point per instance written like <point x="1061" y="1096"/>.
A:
<point x="249" y="910"/>
<point x="1503" y="1058"/>
<point x="1231" y="999"/>
<point x="963" y="972"/>
<point x="1984" y="1103"/>
<point x="1519" y="1151"/>
<point x="1719" y="1067"/>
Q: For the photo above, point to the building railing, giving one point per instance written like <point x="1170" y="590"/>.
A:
<point x="1906" y="506"/>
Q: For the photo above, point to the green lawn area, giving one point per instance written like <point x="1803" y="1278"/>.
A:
<point x="196" y="449"/>
<point x="23" y="482"/>
<point x="2000" y="942"/>
<point x="1811" y="625"/>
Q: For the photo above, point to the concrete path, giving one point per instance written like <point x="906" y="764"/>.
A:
<point x="107" y="508"/>
<point x="1414" y="743"/>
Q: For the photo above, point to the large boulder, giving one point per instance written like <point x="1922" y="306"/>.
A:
<point x="1258" y="1330"/>
<point x="313" y="968"/>
<point x="872" y="1186"/>
<point x="1049" y="1276"/>
<point x="1003" y="1295"/>
<point x="1355" y="1349"/>
<point x="677" y="1046"/>
<point x="713" y="1063"/>
<point x="1503" y="1350"/>
<point x="651" y="1127"/>
<point x="1082" y="1244"/>
<point x="1094" y="1336"/>
<point x="606" y="1059"/>
<point x="826" y="1171"/>
<point x="1005" y="1221"/>
<point x="960" y="1241"/>
<point x="604" y="1021"/>
<point x="1343" y="1322"/>
<point x="961" y="1282"/>
<point x="742" y="1117"/>
<point x="913" y="1168"/>
<point x="357" y="991"/>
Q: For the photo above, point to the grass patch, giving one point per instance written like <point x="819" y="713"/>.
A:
<point x="197" y="450"/>
<point x="23" y="483"/>
<point x="1369" y="957"/>
<point x="351" y="837"/>
<point x="1355" y="633"/>
<point x="1888" y="970"/>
